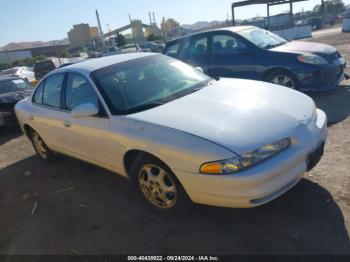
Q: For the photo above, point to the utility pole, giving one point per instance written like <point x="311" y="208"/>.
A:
<point x="291" y="11"/>
<point x="322" y="9"/>
<point x="164" y="30"/>
<point x="132" y="30"/>
<point x="102" y="40"/>
<point x="233" y="15"/>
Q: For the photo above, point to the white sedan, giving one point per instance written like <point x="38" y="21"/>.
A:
<point x="178" y="134"/>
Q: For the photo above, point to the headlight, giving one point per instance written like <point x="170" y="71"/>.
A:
<point x="248" y="160"/>
<point x="312" y="59"/>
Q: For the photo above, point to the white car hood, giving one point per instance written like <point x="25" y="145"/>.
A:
<point x="240" y="115"/>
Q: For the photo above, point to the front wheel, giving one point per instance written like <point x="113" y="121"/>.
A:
<point x="282" y="78"/>
<point x="158" y="185"/>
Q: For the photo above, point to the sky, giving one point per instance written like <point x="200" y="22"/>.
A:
<point x="44" y="20"/>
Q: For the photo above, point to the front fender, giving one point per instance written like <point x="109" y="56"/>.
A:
<point x="179" y="150"/>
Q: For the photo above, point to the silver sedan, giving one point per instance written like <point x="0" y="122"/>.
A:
<point x="178" y="134"/>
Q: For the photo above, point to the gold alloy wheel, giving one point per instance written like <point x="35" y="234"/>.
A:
<point x="39" y="145"/>
<point x="157" y="186"/>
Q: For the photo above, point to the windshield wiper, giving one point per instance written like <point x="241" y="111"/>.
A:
<point x="196" y="89"/>
<point x="275" y="45"/>
<point x="145" y="106"/>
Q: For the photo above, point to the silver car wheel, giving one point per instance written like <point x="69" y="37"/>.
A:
<point x="157" y="186"/>
<point x="283" y="80"/>
<point x="39" y="145"/>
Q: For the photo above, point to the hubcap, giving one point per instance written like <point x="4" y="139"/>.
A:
<point x="39" y="145"/>
<point x="157" y="186"/>
<point x="283" y="80"/>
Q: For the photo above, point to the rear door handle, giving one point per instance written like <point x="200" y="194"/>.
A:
<point x="31" y="117"/>
<point x="66" y="123"/>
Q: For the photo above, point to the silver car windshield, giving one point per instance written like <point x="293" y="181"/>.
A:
<point x="147" y="82"/>
<point x="262" y="38"/>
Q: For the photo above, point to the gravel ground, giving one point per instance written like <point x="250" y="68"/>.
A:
<point x="71" y="207"/>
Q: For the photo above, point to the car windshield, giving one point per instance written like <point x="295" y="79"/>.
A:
<point x="14" y="85"/>
<point x="147" y="82"/>
<point x="262" y="38"/>
<point x="9" y="72"/>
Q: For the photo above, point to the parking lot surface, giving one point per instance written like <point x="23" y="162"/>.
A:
<point x="71" y="207"/>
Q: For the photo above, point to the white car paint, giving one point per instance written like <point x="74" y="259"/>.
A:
<point x="21" y="71"/>
<point x="221" y="121"/>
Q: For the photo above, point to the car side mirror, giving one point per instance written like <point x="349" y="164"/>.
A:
<point x="84" y="110"/>
<point x="200" y="69"/>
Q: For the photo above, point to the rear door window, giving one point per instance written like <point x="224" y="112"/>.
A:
<point x="52" y="90"/>
<point x="224" y="44"/>
<point x="38" y="95"/>
<point x="197" y="47"/>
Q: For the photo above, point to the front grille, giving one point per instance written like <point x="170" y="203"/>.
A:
<point x="330" y="76"/>
<point x="335" y="56"/>
<point x="330" y="57"/>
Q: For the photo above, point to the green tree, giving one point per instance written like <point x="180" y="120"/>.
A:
<point x="152" y="37"/>
<point x="29" y="61"/>
<point x="172" y="27"/>
<point x="120" y="40"/>
<point x="64" y="54"/>
<point x="19" y="63"/>
<point x="4" y="66"/>
<point x="331" y="7"/>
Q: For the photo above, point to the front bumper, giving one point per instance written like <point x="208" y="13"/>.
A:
<point x="262" y="183"/>
<point x="322" y="78"/>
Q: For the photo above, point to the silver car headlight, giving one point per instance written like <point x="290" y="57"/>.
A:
<point x="312" y="59"/>
<point x="245" y="161"/>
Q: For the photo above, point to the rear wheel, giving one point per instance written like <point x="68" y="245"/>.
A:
<point x="41" y="148"/>
<point x="158" y="185"/>
<point x="282" y="78"/>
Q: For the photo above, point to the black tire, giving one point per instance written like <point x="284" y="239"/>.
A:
<point x="282" y="75"/>
<point x="182" y="202"/>
<point x="44" y="153"/>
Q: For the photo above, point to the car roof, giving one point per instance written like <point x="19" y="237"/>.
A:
<point x="234" y="29"/>
<point x="98" y="63"/>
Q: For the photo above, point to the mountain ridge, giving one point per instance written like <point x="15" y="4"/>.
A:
<point x="32" y="44"/>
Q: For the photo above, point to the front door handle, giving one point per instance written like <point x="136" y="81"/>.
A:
<point x="66" y="123"/>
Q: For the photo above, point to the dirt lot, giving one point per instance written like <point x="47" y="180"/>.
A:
<point x="84" y="209"/>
